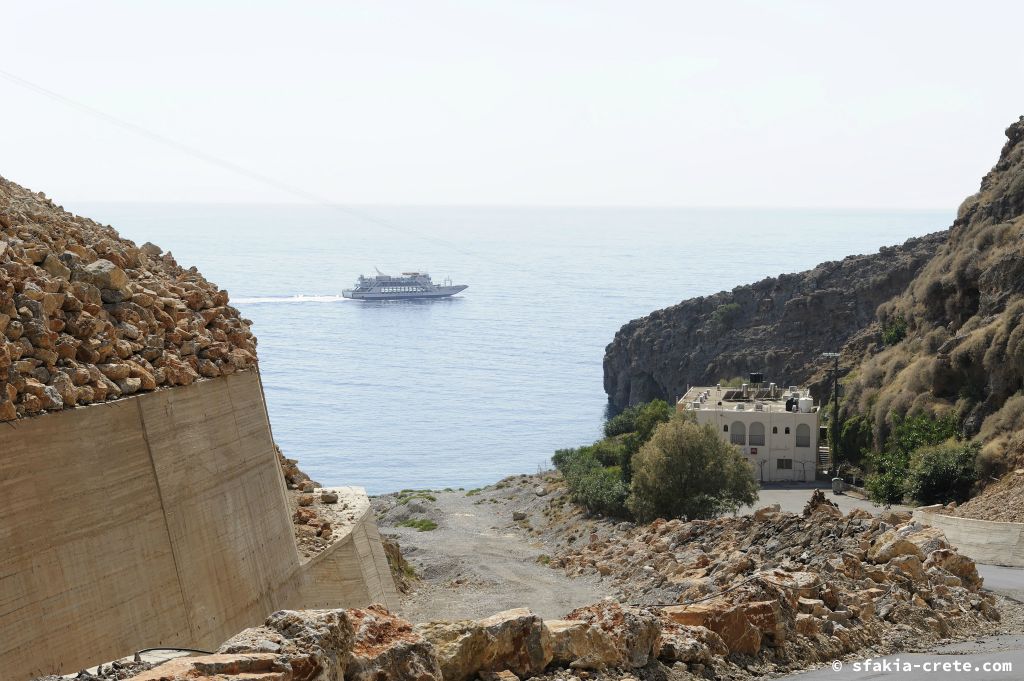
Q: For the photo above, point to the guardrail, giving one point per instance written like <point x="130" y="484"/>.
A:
<point x="986" y="541"/>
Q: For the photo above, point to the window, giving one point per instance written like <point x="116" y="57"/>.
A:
<point x="803" y="435"/>
<point x="738" y="436"/>
<point x="756" y="434"/>
<point x="775" y="430"/>
<point x="784" y="464"/>
<point x="787" y="430"/>
<point x="725" y="428"/>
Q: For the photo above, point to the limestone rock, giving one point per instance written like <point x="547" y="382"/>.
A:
<point x="516" y="640"/>
<point x="633" y="632"/>
<point x="251" y="667"/>
<point x="317" y="643"/>
<point x="385" y="648"/>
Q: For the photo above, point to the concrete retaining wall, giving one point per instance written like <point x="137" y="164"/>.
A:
<point x="159" y="520"/>
<point x="986" y="541"/>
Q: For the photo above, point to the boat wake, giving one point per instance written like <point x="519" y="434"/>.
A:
<point x="288" y="299"/>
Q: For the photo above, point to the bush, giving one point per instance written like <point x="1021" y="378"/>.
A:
<point x="887" y="487"/>
<point x="888" y="483"/>
<point x="854" y="440"/>
<point x="596" y="487"/>
<point x="640" y="418"/>
<point x="688" y="471"/>
<point x="894" y="330"/>
<point x="919" y="430"/>
<point x="725" y="316"/>
<point x="608" y="452"/>
<point x="943" y="473"/>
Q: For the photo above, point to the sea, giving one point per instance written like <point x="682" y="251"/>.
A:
<point x="463" y="391"/>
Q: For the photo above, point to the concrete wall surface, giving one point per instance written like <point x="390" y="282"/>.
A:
<point x="158" y="520"/>
<point x="986" y="541"/>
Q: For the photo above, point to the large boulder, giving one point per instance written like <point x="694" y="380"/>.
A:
<point x="692" y="645"/>
<point x="580" y="645"/>
<point x="103" y="274"/>
<point x="728" y="621"/>
<point x="633" y="632"/>
<point x="317" y="643"/>
<point x="956" y="564"/>
<point x="385" y="648"/>
<point x="514" y="640"/>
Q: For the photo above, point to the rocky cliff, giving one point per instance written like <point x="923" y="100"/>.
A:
<point x="779" y="326"/>
<point x="86" y="316"/>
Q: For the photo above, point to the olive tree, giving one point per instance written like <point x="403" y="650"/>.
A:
<point x="687" y="471"/>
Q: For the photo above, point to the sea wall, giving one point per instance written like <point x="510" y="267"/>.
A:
<point x="158" y="520"/>
<point x="986" y="541"/>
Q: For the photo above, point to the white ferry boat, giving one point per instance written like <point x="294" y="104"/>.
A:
<point x="409" y="286"/>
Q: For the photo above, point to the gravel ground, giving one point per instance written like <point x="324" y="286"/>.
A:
<point x="478" y="561"/>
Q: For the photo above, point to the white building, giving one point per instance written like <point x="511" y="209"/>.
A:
<point x="776" y="429"/>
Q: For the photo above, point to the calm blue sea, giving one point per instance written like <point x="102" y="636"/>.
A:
<point x="461" y="392"/>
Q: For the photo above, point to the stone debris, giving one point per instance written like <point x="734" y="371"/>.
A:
<point x="817" y="501"/>
<point x="788" y="589"/>
<point x="87" y="316"/>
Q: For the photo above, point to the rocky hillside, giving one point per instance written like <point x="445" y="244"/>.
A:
<point x="780" y="326"/>
<point x="964" y="347"/>
<point x="954" y="301"/>
<point x="86" y="316"/>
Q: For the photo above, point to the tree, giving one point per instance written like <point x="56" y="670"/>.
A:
<point x="688" y="471"/>
<point x="888" y="481"/>
<point x="943" y="473"/>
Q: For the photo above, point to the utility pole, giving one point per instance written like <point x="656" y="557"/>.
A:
<point x="835" y="406"/>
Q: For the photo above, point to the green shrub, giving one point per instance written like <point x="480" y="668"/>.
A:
<point x="943" y="473"/>
<point x="890" y="468"/>
<point x="688" y="471"/>
<point x="640" y="418"/>
<point x="887" y="487"/>
<point x="725" y="316"/>
<point x="854" y="440"/>
<point x="419" y="524"/>
<point x="609" y="452"/>
<point x="592" y="485"/>
<point x="894" y="330"/>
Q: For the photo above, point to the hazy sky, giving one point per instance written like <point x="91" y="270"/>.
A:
<point x="852" y="104"/>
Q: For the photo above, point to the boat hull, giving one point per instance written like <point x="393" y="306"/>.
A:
<point x="439" y="292"/>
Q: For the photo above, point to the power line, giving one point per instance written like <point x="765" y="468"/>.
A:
<point x="237" y="169"/>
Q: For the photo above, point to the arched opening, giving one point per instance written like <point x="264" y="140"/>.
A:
<point x="738" y="436"/>
<point x="803" y="435"/>
<point x="725" y="428"/>
<point x="756" y="434"/>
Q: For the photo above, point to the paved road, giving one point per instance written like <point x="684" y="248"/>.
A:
<point x="792" y="499"/>
<point x="995" y="649"/>
<point x="1005" y="581"/>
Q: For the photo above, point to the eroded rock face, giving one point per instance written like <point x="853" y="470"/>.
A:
<point x="86" y="316"/>
<point x="779" y="326"/>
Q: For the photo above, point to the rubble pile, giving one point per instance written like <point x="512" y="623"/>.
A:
<point x="372" y="644"/>
<point x="793" y="589"/>
<point x="86" y="316"/>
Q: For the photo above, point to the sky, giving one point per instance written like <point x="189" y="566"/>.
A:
<point x="871" y="104"/>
